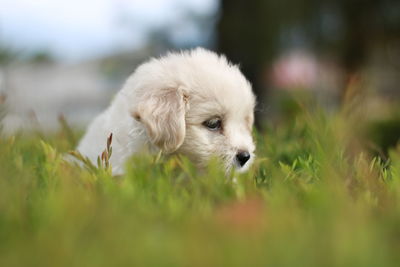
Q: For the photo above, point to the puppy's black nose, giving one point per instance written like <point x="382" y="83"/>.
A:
<point x="242" y="157"/>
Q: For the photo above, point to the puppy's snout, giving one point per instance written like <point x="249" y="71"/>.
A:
<point x="242" y="157"/>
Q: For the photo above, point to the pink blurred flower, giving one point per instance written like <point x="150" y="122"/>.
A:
<point x="295" y="70"/>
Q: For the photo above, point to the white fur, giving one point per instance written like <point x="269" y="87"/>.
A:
<point x="164" y="103"/>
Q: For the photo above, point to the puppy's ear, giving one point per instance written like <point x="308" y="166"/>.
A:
<point x="163" y="115"/>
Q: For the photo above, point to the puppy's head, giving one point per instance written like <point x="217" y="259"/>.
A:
<point x="198" y="104"/>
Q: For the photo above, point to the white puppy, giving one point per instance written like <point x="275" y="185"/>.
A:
<point x="195" y="103"/>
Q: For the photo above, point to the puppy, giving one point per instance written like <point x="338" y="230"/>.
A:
<point x="195" y="103"/>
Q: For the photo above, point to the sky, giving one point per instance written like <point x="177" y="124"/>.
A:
<point x="78" y="29"/>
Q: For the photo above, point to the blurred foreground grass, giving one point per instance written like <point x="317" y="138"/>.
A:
<point x="312" y="198"/>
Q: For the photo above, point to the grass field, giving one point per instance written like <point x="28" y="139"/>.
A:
<point x="314" y="197"/>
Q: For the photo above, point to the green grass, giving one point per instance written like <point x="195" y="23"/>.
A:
<point x="314" y="197"/>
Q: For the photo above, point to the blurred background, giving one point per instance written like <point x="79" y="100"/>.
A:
<point x="68" y="58"/>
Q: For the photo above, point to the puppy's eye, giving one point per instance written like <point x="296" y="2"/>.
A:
<point x="214" y="124"/>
